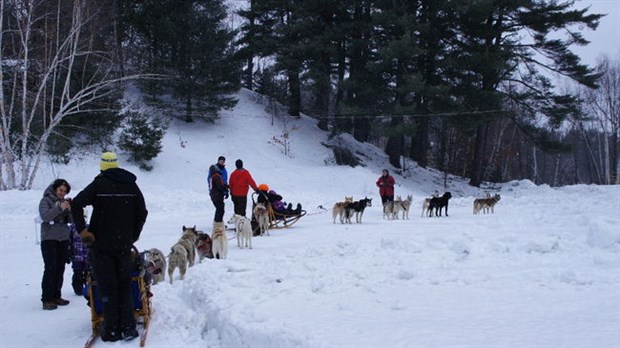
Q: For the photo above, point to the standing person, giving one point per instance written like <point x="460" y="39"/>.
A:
<point x="221" y="165"/>
<point x="79" y="261"/>
<point x="118" y="215"/>
<point x="218" y="192"/>
<point x="386" y="187"/>
<point x="240" y="182"/>
<point x="55" y="211"/>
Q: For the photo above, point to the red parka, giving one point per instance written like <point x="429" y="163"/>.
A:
<point x="386" y="185"/>
<point x="240" y="180"/>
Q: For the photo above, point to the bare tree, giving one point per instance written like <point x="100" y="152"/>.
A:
<point x="45" y="47"/>
<point x="603" y="108"/>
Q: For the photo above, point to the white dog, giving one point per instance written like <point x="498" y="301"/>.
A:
<point x="262" y="217"/>
<point x="219" y="240"/>
<point x="243" y="227"/>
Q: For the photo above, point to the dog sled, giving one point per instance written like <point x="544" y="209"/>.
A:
<point x="140" y="287"/>
<point x="277" y="219"/>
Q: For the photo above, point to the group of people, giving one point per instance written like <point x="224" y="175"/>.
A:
<point x="221" y="188"/>
<point x="118" y="215"/>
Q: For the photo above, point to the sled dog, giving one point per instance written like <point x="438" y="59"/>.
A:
<point x="486" y="204"/>
<point x="427" y="202"/>
<point x="243" y="228"/>
<point x="262" y="217"/>
<point x="340" y="208"/>
<point x="392" y="208"/>
<point x="438" y="203"/>
<point x="182" y="253"/>
<point x="220" y="241"/>
<point x="358" y="208"/>
<point x="155" y="262"/>
<point x="204" y="246"/>
<point x="406" y="205"/>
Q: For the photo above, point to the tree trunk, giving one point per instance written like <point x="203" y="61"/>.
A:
<point x="294" y="101"/>
<point x="479" y="152"/>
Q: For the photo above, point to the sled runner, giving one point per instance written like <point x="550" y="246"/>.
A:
<point x="140" y="286"/>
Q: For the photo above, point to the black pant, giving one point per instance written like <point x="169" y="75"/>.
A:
<point x="241" y="204"/>
<point x="219" y="209"/>
<point x="385" y="199"/>
<point x="55" y="254"/>
<point x="113" y="274"/>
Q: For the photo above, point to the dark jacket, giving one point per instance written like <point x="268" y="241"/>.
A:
<point x="55" y="220"/>
<point x="119" y="210"/>
<point x="218" y="187"/>
<point x="274" y="198"/>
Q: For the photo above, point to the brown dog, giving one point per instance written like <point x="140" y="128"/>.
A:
<point x="204" y="246"/>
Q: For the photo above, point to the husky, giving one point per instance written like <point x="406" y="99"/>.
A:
<point x="262" y="217"/>
<point x="358" y="208"/>
<point x="220" y="242"/>
<point x="486" y="204"/>
<point x="243" y="228"/>
<point x="340" y="208"/>
<point x="182" y="253"/>
<point x="204" y="246"/>
<point x="406" y="204"/>
<point x="392" y="208"/>
<point x="438" y="203"/>
<point x="155" y="263"/>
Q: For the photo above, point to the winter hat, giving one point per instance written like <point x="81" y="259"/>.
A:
<point x="239" y="164"/>
<point x="221" y="158"/>
<point x="108" y="160"/>
<point x="263" y="187"/>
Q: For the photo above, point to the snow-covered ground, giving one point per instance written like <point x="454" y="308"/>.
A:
<point x="543" y="271"/>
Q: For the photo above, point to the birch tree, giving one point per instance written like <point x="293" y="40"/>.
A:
<point x="45" y="47"/>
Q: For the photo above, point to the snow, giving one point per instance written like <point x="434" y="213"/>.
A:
<point x="542" y="271"/>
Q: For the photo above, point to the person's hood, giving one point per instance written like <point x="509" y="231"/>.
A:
<point x="49" y="192"/>
<point x="119" y="174"/>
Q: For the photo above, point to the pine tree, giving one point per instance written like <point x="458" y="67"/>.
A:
<point x="188" y="42"/>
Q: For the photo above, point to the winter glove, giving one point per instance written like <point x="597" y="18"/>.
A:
<point x="88" y="238"/>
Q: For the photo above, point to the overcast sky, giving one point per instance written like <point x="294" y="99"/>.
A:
<point x="606" y="39"/>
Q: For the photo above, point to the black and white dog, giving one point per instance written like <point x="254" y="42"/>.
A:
<point x="357" y="207"/>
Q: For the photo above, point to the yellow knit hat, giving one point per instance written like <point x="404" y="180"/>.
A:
<point x="108" y="160"/>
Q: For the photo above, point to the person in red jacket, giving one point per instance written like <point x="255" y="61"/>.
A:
<point x="240" y="181"/>
<point x="386" y="187"/>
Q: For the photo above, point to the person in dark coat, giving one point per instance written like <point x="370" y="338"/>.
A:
<point x="55" y="211"/>
<point x="386" y="187"/>
<point x="118" y="215"/>
<point x="240" y="182"/>
<point x="221" y="165"/>
<point x="218" y="191"/>
<point x="271" y="196"/>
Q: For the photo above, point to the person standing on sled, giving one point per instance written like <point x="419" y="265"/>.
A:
<point x="55" y="211"/>
<point x="386" y="187"/>
<point x="240" y="182"/>
<point x="118" y="215"/>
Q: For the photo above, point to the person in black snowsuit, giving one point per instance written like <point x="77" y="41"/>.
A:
<point x="218" y="192"/>
<point x="118" y="215"/>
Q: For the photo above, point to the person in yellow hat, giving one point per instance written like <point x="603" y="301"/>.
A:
<point x="116" y="221"/>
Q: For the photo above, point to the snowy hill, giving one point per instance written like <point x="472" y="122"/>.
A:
<point x="543" y="271"/>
